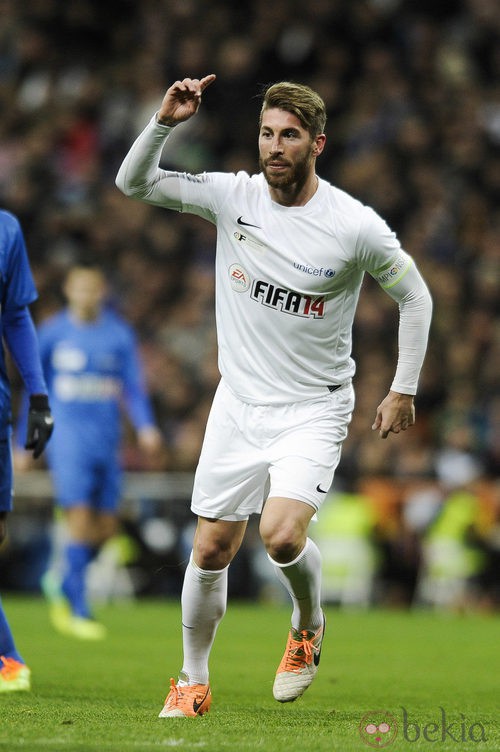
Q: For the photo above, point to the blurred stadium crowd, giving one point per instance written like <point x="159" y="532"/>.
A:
<point x="413" y="96"/>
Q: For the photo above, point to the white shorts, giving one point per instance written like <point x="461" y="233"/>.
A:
<point x="252" y="452"/>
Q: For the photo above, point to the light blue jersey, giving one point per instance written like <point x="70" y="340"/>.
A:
<point x="92" y="370"/>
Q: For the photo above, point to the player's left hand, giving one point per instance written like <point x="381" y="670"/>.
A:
<point x="150" y="439"/>
<point x="182" y="100"/>
<point x="40" y="424"/>
<point x="394" y="414"/>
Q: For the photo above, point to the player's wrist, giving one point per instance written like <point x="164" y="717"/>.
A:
<point x="39" y="402"/>
<point x="165" y="122"/>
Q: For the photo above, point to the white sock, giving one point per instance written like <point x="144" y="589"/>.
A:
<point x="302" y="579"/>
<point x="203" y="601"/>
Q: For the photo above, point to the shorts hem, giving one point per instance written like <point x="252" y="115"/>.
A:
<point x="210" y="514"/>
<point x="294" y="496"/>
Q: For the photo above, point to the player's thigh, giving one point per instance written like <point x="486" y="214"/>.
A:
<point x="108" y="489"/>
<point x="306" y="453"/>
<point x="283" y="526"/>
<point x="232" y="471"/>
<point x="73" y="475"/>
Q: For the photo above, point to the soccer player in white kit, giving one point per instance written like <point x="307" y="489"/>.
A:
<point x="291" y="254"/>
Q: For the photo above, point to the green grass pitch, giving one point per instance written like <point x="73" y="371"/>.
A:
<point x="105" y="697"/>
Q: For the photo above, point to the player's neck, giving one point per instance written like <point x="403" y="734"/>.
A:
<point x="84" y="315"/>
<point x="296" y="195"/>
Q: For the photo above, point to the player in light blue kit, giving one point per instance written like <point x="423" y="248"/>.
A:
<point x="17" y="291"/>
<point x="91" y="365"/>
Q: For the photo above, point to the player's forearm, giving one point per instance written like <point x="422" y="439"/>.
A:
<point x="414" y="323"/>
<point x="140" y="175"/>
<point x="22" y="341"/>
<point x="138" y="406"/>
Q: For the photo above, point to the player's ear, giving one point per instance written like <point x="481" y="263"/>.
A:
<point x="319" y="144"/>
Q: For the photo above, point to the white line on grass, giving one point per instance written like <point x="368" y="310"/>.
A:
<point x="100" y="746"/>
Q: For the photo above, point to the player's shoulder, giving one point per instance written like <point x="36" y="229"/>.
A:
<point x="114" y="321"/>
<point x="9" y="223"/>
<point x="353" y="207"/>
<point x="56" y="319"/>
<point x="347" y="213"/>
<point x="231" y="179"/>
<point x="8" y="217"/>
<point x="111" y="315"/>
<point x="249" y="186"/>
<point x="344" y="203"/>
<point x="53" y="323"/>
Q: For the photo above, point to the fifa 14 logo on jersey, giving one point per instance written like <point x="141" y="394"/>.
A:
<point x="288" y="301"/>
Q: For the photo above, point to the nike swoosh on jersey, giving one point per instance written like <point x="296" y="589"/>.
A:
<point x="318" y="488"/>
<point x="247" y="224"/>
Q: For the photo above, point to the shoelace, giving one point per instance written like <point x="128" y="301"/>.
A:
<point x="301" y="651"/>
<point x="10" y="667"/>
<point x="176" y="691"/>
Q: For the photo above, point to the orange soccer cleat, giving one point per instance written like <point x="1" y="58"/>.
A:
<point x="299" y="664"/>
<point x="186" y="701"/>
<point x="14" y="675"/>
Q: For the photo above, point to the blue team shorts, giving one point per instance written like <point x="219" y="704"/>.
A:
<point x="6" y="476"/>
<point x="81" y="478"/>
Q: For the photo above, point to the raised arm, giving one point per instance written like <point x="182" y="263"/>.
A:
<point x="140" y="175"/>
<point x="182" y="100"/>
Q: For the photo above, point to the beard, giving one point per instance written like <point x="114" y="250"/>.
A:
<point x="295" y="176"/>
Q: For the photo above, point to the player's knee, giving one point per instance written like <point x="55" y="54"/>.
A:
<point x="283" y="544"/>
<point x="212" y="554"/>
<point x="104" y="529"/>
<point x="3" y="526"/>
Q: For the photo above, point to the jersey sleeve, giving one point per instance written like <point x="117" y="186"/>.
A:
<point x="415" y="313"/>
<point x="141" y="177"/>
<point x="22" y="341"/>
<point x="381" y="255"/>
<point x="18" y="286"/>
<point x="137" y="402"/>
<point x="378" y="250"/>
<point x="43" y="347"/>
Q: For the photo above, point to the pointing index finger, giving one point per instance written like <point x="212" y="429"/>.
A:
<point x="206" y="81"/>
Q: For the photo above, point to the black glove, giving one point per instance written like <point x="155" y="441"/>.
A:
<point x="40" y="424"/>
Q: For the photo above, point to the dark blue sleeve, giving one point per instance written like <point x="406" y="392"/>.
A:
<point x="18" y="287"/>
<point x="21" y="338"/>
<point x="21" y="425"/>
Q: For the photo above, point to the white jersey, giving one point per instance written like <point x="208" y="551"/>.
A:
<point x="287" y="278"/>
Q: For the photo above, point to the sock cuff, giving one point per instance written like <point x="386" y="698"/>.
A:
<point x="80" y="553"/>
<point x="303" y="553"/>
<point x="205" y="573"/>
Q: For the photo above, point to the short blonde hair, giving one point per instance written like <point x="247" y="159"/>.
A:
<point x="301" y="101"/>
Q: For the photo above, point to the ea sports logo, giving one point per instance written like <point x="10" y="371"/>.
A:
<point x="239" y="278"/>
<point x="378" y="729"/>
